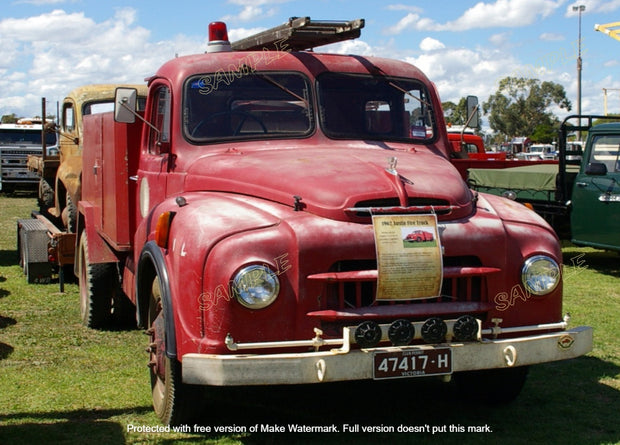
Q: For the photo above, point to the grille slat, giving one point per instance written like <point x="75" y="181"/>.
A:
<point x="347" y="287"/>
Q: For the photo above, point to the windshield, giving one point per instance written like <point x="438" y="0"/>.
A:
<point x="25" y="137"/>
<point x="354" y="106"/>
<point x="252" y="105"/>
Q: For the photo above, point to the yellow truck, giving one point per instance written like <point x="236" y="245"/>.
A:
<point x="61" y="174"/>
<point x="60" y="184"/>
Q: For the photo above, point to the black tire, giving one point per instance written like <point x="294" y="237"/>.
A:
<point x="70" y="213"/>
<point x="495" y="386"/>
<point x="46" y="196"/>
<point x="98" y="283"/>
<point x="175" y="403"/>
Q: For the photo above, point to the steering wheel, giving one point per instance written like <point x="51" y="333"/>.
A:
<point x="244" y="117"/>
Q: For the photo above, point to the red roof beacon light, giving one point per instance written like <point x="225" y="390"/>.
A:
<point x="218" y="38"/>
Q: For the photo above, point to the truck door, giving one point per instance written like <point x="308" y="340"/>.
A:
<point x="595" y="216"/>
<point x="154" y="159"/>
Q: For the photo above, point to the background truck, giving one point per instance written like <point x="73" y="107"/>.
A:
<point x="46" y="242"/>
<point x="59" y="173"/>
<point x="17" y="142"/>
<point x="254" y="216"/>
<point x="467" y="149"/>
<point x="580" y="196"/>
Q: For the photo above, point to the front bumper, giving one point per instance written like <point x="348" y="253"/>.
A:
<point x="344" y="364"/>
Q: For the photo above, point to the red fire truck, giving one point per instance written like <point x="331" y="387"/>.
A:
<point x="250" y="214"/>
<point x="419" y="236"/>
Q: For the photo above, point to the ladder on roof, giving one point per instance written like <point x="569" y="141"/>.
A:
<point x="301" y="33"/>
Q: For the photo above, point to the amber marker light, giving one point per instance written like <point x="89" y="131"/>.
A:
<point x="162" y="229"/>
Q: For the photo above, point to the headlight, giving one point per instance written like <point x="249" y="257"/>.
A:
<point x="540" y="274"/>
<point x="256" y="287"/>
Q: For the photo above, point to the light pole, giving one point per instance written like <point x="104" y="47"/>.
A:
<point x="579" y="9"/>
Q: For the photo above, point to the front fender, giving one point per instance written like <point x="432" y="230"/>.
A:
<point x="202" y="222"/>
<point x="152" y="265"/>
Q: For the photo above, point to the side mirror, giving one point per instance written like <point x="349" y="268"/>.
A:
<point x="125" y="105"/>
<point x="596" y="169"/>
<point x="472" y="112"/>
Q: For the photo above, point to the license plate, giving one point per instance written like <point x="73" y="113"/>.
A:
<point x="412" y="363"/>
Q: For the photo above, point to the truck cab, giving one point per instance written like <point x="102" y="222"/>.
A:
<point x="595" y="200"/>
<point x="256" y="215"/>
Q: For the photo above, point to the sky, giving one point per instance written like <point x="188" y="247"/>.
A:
<point x="48" y="47"/>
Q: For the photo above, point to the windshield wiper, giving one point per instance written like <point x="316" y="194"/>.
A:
<point x="277" y="84"/>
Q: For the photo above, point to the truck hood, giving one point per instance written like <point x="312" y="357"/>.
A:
<point x="332" y="182"/>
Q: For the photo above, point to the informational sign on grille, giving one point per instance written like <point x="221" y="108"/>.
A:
<point x="409" y="258"/>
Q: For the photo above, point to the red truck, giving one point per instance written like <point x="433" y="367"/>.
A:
<point x="419" y="236"/>
<point x="251" y="210"/>
<point x="467" y="151"/>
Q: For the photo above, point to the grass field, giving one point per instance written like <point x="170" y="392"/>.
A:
<point x="63" y="383"/>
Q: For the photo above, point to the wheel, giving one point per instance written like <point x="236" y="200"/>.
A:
<point x="98" y="283"/>
<point x="69" y="215"/>
<point x="243" y="116"/>
<point x="497" y="386"/>
<point x="46" y="195"/>
<point x="175" y="403"/>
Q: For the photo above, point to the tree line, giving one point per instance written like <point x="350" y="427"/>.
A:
<point x="520" y="107"/>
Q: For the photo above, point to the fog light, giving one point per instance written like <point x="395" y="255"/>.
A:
<point x="401" y="332"/>
<point x="465" y="328"/>
<point x="368" y="334"/>
<point x="434" y="330"/>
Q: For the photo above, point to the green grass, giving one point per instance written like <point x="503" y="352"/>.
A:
<point x="63" y="383"/>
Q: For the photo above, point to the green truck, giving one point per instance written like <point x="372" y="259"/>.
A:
<point x="580" y="195"/>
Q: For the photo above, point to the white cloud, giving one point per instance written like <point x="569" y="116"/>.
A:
<point x="430" y="44"/>
<point x="500" y="39"/>
<point x="593" y="6"/>
<point x="407" y="22"/>
<point x="357" y="46"/>
<point x="401" y="7"/>
<point x="501" y="13"/>
<point x="235" y="34"/>
<point x="43" y="2"/>
<point x="551" y="37"/>
<point x="504" y="13"/>
<point x="252" y="10"/>
<point x="50" y="54"/>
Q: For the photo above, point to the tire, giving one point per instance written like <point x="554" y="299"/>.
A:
<point x="70" y="214"/>
<point x="46" y="196"/>
<point x="495" y="386"/>
<point x="175" y="403"/>
<point x="98" y="283"/>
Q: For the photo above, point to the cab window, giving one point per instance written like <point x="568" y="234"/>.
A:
<point x="159" y="137"/>
<point x="606" y="150"/>
<point x="68" y="118"/>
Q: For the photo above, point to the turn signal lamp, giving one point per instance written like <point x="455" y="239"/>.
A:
<point x="162" y="229"/>
<point x="218" y="38"/>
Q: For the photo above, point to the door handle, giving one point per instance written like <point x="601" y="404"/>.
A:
<point x="581" y="184"/>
